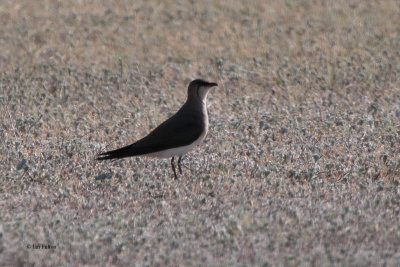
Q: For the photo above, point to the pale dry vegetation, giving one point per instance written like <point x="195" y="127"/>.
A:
<point x="301" y="165"/>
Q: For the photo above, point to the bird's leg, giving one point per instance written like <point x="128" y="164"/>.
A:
<point x="173" y="167"/>
<point x="179" y="164"/>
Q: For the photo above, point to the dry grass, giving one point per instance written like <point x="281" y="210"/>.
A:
<point x="301" y="165"/>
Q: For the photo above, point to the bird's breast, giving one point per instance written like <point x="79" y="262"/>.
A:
<point x="205" y="117"/>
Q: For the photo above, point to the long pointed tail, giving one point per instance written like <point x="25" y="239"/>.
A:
<point x="117" y="153"/>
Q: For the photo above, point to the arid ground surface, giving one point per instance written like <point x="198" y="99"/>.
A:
<point x="301" y="165"/>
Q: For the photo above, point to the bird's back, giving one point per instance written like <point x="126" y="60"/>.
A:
<point x="182" y="129"/>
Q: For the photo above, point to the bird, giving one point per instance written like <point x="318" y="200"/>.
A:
<point x="176" y="136"/>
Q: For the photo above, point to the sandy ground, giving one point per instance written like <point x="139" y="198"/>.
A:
<point x="301" y="166"/>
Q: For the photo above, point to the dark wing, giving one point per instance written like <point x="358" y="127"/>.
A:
<point x="182" y="129"/>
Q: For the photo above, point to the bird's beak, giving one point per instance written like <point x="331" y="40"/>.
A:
<point x="212" y="84"/>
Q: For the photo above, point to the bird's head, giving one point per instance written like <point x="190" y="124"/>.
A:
<point x="199" y="89"/>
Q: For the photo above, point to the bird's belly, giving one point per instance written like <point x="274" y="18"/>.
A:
<point x="177" y="151"/>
